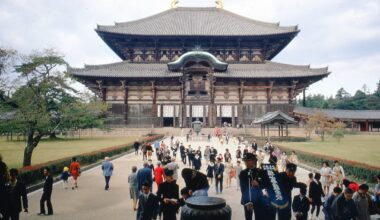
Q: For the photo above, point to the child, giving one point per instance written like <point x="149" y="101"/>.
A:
<point x="64" y="177"/>
<point x="301" y="205"/>
<point x="311" y="179"/>
<point x="327" y="205"/>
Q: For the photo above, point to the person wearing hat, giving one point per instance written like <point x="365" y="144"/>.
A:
<point x="250" y="179"/>
<point x="288" y="181"/>
<point x="218" y="172"/>
<point x="196" y="182"/>
<point x="168" y="194"/>
<point x="148" y="207"/>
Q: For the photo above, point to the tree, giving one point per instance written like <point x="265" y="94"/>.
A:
<point x="342" y="94"/>
<point x="377" y="91"/>
<point x="338" y="134"/>
<point x="321" y="123"/>
<point x="43" y="104"/>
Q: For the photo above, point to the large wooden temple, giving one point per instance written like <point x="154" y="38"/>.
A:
<point x="191" y="63"/>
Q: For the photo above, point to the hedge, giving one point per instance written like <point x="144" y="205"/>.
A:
<point x="33" y="174"/>
<point x="360" y="171"/>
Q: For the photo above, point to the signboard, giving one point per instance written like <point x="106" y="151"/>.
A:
<point x="275" y="193"/>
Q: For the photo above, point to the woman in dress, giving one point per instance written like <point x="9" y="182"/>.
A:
<point x="133" y="187"/>
<point x="75" y="172"/>
<point x="229" y="172"/>
<point x="326" y="180"/>
<point x="293" y="158"/>
<point x="284" y="161"/>
<point x="316" y="194"/>
<point x="158" y="174"/>
<point x="210" y="172"/>
<point x="338" y="174"/>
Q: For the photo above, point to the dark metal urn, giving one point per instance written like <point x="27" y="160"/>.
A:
<point x="206" y="208"/>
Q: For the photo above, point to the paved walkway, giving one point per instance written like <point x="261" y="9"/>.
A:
<point x="90" y="201"/>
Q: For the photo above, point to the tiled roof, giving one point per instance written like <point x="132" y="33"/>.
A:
<point x="268" y="69"/>
<point x="189" y="21"/>
<point x="340" y="113"/>
<point x="269" y="117"/>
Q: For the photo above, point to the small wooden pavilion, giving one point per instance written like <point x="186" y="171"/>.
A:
<point x="276" y="118"/>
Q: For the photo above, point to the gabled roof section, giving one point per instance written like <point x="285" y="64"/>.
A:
<point x="277" y="116"/>
<point x="198" y="57"/>
<point x="340" y="113"/>
<point x="197" y="21"/>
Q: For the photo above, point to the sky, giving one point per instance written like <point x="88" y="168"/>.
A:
<point x="341" y="34"/>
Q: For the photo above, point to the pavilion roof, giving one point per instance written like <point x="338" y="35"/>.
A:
<point x="340" y="113"/>
<point x="276" y="116"/>
<point x="197" y="21"/>
<point x="268" y="69"/>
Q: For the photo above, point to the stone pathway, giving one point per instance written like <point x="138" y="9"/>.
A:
<point x="90" y="201"/>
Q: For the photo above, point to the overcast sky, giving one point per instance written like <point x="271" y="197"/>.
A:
<point x="341" y="34"/>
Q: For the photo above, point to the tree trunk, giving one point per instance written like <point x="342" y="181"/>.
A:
<point x="53" y="135"/>
<point x="31" y="143"/>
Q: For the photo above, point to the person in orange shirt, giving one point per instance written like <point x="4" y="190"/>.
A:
<point x="75" y="172"/>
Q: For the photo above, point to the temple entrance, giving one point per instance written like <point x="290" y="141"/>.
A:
<point x="168" y="122"/>
<point x="227" y="120"/>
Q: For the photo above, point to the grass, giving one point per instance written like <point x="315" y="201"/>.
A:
<point x="48" y="149"/>
<point x="360" y="148"/>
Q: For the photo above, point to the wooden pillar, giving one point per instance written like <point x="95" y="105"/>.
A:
<point x="233" y="117"/>
<point x="204" y="116"/>
<point x="366" y="125"/>
<point x="154" y="103"/>
<point x="268" y="129"/>
<point x="221" y="115"/>
<point x="210" y="115"/>
<point x="161" y="115"/>
<point x="104" y="94"/>
<point x="287" y="130"/>
<point x="191" y="115"/>
<point x="174" y="115"/>
<point x="303" y="98"/>
<point x="279" y="130"/>
<point x="282" y="130"/>
<point x="126" y="105"/>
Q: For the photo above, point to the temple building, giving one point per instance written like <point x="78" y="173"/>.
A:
<point x="191" y="63"/>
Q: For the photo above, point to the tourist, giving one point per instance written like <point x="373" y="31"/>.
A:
<point x="197" y="163"/>
<point x="316" y="194"/>
<point x="220" y="156"/>
<point x="182" y="151"/>
<point x="207" y="153"/>
<point x="227" y="156"/>
<point x="159" y="174"/>
<point x="136" y="145"/>
<point x="289" y="181"/>
<point x="174" y="149"/>
<point x="283" y="161"/>
<point x="254" y="145"/>
<point x="301" y="205"/>
<point x="17" y="194"/>
<point x="260" y="158"/>
<point x="245" y="151"/>
<point x="173" y="165"/>
<point x="46" y="195"/>
<point x="213" y="154"/>
<point x="196" y="182"/>
<point x="107" y="168"/>
<point x="327" y="178"/>
<point x="218" y="172"/>
<point x="361" y="200"/>
<point x="209" y="137"/>
<point x="351" y="184"/>
<point x="250" y="190"/>
<point x="377" y="192"/>
<point x="150" y="165"/>
<point x="65" y="177"/>
<point x="148" y="207"/>
<point x="133" y="187"/>
<point x="199" y="152"/>
<point x="168" y="194"/>
<point x="229" y="171"/>
<point x="156" y="146"/>
<point x="210" y="172"/>
<point x="238" y="168"/>
<point x="311" y="179"/>
<point x="293" y="158"/>
<point x="144" y="175"/>
<point x="190" y="155"/>
<point x="149" y="151"/>
<point x="5" y="189"/>
<point x="144" y="150"/>
<point x="344" y="207"/>
<point x="338" y="173"/>
<point x="272" y="159"/>
<point x="327" y="211"/>
<point x="75" y="172"/>
<point x="238" y="153"/>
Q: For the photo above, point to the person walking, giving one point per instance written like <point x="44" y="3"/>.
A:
<point x="75" y="172"/>
<point x="316" y="194"/>
<point x="144" y="175"/>
<point x="344" y="207"/>
<point x="361" y="200"/>
<point x="327" y="210"/>
<point x="293" y="158"/>
<point x="218" y="172"/>
<point x="238" y="168"/>
<point x="190" y="156"/>
<point x="338" y="173"/>
<point x="107" y="168"/>
<point x="227" y="156"/>
<point x="46" y="195"/>
<point x="207" y="153"/>
<point x="238" y="153"/>
<point x="148" y="207"/>
<point x="168" y="194"/>
<point x="301" y="205"/>
<point x="210" y="172"/>
<point x="65" y="177"/>
<point x="326" y="177"/>
<point x="283" y="161"/>
<point x="133" y="187"/>
<point x="17" y="194"/>
<point x="159" y="174"/>
<point x="230" y="172"/>
<point x="4" y="190"/>
<point x="182" y="151"/>
<point x="173" y="165"/>
<point x="136" y="145"/>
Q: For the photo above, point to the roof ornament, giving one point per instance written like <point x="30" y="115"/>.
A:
<point x="219" y="4"/>
<point x="174" y="4"/>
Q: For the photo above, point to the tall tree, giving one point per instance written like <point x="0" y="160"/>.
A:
<point x="321" y="123"/>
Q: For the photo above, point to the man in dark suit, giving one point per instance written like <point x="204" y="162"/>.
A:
<point x="148" y="206"/>
<point x="168" y="194"/>
<point x="219" y="170"/>
<point x="254" y="145"/>
<point x="301" y="205"/>
<point x="145" y="175"/>
<point x="46" y="195"/>
<point x="18" y="191"/>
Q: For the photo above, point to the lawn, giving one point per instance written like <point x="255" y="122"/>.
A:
<point x="47" y="150"/>
<point x="360" y="148"/>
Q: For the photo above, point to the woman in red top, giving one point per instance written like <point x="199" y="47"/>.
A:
<point x="75" y="172"/>
<point x="158" y="174"/>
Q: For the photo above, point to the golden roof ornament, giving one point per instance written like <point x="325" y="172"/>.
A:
<point x="219" y="4"/>
<point x="174" y="4"/>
